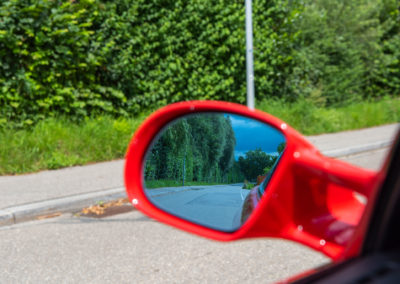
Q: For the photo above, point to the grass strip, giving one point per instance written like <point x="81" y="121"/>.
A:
<point x="57" y="142"/>
<point x="310" y="119"/>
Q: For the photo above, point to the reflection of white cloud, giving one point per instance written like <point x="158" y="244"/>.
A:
<point x="238" y="154"/>
<point x="244" y="122"/>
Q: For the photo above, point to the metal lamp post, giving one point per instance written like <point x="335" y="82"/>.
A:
<point x="249" y="56"/>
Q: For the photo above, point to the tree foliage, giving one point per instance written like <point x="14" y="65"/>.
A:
<point x="195" y="148"/>
<point x="255" y="163"/>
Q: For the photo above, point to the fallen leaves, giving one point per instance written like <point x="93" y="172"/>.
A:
<point x="108" y="208"/>
<point x="53" y="215"/>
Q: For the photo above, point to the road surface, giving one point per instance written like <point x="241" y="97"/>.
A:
<point x="214" y="206"/>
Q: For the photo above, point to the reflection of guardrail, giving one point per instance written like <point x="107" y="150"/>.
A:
<point x="357" y="149"/>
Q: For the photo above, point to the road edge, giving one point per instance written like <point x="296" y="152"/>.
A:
<point x="338" y="153"/>
<point x="27" y="212"/>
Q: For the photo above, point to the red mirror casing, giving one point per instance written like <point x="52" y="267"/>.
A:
<point x="310" y="199"/>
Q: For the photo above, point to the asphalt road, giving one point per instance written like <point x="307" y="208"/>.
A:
<point x="131" y="248"/>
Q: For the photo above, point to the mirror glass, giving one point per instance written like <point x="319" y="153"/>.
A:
<point x="204" y="167"/>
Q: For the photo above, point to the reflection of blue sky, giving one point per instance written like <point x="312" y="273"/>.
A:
<point x="251" y="134"/>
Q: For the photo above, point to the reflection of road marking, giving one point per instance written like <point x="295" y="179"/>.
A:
<point x="241" y="190"/>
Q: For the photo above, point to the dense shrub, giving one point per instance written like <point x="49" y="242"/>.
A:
<point x="347" y="51"/>
<point x="82" y="58"/>
<point x="386" y="79"/>
<point x="48" y="63"/>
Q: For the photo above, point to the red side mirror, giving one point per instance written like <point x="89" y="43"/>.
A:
<point x="304" y="196"/>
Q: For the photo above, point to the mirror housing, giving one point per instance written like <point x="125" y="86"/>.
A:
<point x="311" y="199"/>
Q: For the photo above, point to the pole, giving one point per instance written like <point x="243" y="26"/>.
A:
<point x="249" y="56"/>
<point x="184" y="169"/>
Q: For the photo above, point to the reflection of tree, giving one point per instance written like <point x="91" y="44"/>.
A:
<point x="196" y="148"/>
<point x="257" y="162"/>
<point x="281" y="147"/>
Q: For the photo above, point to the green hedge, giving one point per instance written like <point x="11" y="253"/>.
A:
<point x="82" y="58"/>
<point x="50" y="65"/>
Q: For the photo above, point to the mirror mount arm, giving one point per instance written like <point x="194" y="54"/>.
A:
<point x="354" y="178"/>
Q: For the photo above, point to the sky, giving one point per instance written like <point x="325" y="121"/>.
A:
<point x="251" y="134"/>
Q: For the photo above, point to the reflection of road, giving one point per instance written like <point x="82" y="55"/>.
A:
<point x="217" y="206"/>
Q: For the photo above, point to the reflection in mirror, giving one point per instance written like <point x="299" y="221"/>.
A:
<point x="204" y="167"/>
